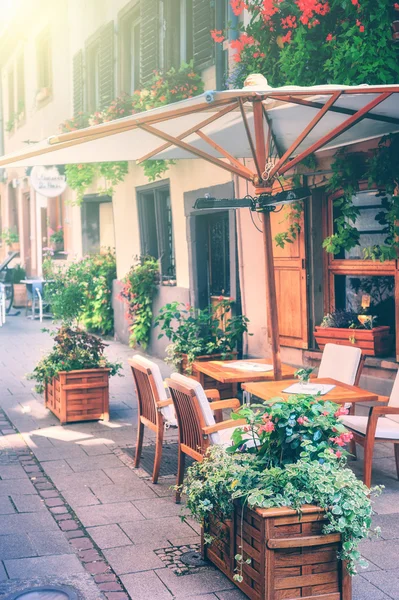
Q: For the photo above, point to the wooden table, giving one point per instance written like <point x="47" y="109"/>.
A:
<point x="213" y="373"/>
<point x="341" y="394"/>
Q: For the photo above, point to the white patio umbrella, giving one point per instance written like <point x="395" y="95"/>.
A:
<point x="277" y="127"/>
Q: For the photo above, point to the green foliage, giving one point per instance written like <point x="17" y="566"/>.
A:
<point x="154" y="169"/>
<point x="9" y="236"/>
<point x="82" y="176"/>
<point x="138" y="291"/>
<point x="18" y="273"/>
<point x="293" y="216"/>
<point x="57" y="237"/>
<point x="195" y="332"/>
<point x="73" y="349"/>
<point x="221" y="478"/>
<point x="304" y="374"/>
<point x="83" y="292"/>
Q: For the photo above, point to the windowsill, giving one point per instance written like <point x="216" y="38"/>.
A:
<point x="383" y="362"/>
<point x="170" y="283"/>
<point x="42" y="103"/>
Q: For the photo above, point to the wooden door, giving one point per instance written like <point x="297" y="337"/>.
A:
<point x="291" y="282"/>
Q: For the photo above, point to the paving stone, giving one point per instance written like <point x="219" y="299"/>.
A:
<point x="385" y="504"/>
<point x="18" y="523"/>
<point x="363" y="590"/>
<point x="110" y="586"/>
<point x="17" y="545"/>
<point x="117" y="596"/>
<point x="91" y="463"/>
<point x="50" y="542"/>
<point x="6" y="508"/>
<point x="28" y="504"/>
<point x="56" y="467"/>
<point x="210" y="580"/>
<point x="12" y="472"/>
<point x="103" y="577"/>
<point x="231" y="595"/>
<point x="105" y="514"/>
<point x="80" y="497"/>
<point x="82" y="480"/>
<point x="59" y="510"/>
<point x="382" y="553"/>
<point x="74" y="534"/>
<point x="89" y="555"/>
<point x="156" y="530"/>
<point x="29" y="568"/>
<point x="49" y="493"/>
<point x="136" y="490"/>
<point x="54" y="502"/>
<point x="389" y="524"/>
<point x="81" y="543"/>
<point x="146" y="586"/>
<point x="63" y="517"/>
<point x="108" y="536"/>
<point x="97" y="567"/>
<point x="69" y="525"/>
<point x="158" y="507"/>
<point x="133" y="559"/>
<point x="387" y="584"/>
<point x="16" y="486"/>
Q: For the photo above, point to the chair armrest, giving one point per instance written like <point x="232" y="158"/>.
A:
<point x="229" y="403"/>
<point x="163" y="403"/>
<point x="383" y="399"/>
<point x="384" y="410"/>
<point x="224" y="425"/>
<point x="212" y="394"/>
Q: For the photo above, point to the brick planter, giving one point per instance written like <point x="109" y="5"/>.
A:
<point x="372" y="342"/>
<point x="226" y="390"/>
<point x="291" y="558"/>
<point x="79" y="395"/>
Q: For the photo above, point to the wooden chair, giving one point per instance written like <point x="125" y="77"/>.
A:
<point x="155" y="409"/>
<point x="382" y="425"/>
<point x="198" y="429"/>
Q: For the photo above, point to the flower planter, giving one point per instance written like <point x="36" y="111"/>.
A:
<point x="291" y="558"/>
<point x="79" y="395"/>
<point x="372" y="342"/>
<point x="226" y="390"/>
<point x="20" y="295"/>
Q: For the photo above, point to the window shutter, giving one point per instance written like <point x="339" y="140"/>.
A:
<point x="106" y="64"/>
<point x="172" y="34"/>
<point x="78" y="83"/>
<point x="149" y="55"/>
<point x="203" y="23"/>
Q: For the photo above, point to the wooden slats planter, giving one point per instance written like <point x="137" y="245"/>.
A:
<point x="226" y="390"/>
<point x="79" y="395"/>
<point x="372" y="342"/>
<point x="291" y="559"/>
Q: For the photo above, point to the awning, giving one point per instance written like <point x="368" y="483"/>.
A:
<point x="219" y="125"/>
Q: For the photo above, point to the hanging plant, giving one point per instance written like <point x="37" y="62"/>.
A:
<point x="82" y="176"/>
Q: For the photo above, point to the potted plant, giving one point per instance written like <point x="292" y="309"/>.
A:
<point x="75" y="376"/>
<point x="281" y="514"/>
<point x="11" y="239"/>
<point x="20" y="296"/>
<point x="57" y="239"/>
<point x="350" y="329"/>
<point x="197" y="335"/>
<point x="304" y="375"/>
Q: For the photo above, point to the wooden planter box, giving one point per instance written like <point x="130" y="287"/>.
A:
<point x="20" y="295"/>
<point x="291" y="558"/>
<point x="373" y="342"/>
<point x="226" y="390"/>
<point x="79" y="395"/>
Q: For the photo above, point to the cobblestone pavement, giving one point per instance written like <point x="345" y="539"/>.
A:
<point x="74" y="512"/>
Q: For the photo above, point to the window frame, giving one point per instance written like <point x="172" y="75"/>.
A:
<point x="44" y="76"/>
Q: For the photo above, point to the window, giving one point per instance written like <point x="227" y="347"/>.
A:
<point x="44" y="65"/>
<point x="98" y="233"/>
<point x="176" y="42"/>
<point x="156" y="228"/>
<point x="221" y="50"/>
<point x="20" y="85"/>
<point x="93" y="76"/>
<point x="219" y="254"/>
<point x="130" y="51"/>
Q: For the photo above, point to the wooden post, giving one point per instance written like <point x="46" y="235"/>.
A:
<point x="271" y="297"/>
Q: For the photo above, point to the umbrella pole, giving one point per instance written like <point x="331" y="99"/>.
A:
<point x="271" y="297"/>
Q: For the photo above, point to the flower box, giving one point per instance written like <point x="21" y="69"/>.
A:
<point x="373" y="342"/>
<point x="226" y="390"/>
<point x="290" y="557"/>
<point x="79" y="395"/>
<point x="20" y="295"/>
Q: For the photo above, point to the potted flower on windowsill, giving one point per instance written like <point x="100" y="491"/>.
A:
<point x="281" y="497"/>
<point x="197" y="335"/>
<point x="350" y="329"/>
<point x="57" y="239"/>
<point x="11" y="239"/>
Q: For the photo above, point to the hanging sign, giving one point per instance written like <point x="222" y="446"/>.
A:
<point x="48" y="181"/>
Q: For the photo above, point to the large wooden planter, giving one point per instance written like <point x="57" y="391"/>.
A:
<point x="20" y="295"/>
<point x="291" y="558"/>
<point x="373" y="342"/>
<point x="79" y="395"/>
<point x="226" y="390"/>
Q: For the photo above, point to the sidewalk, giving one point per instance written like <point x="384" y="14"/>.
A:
<point x="74" y="512"/>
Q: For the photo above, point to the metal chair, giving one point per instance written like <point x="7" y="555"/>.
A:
<point x="198" y="429"/>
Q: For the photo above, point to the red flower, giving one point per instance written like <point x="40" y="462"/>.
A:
<point x="300" y="420"/>
<point x="286" y="38"/>
<point x="217" y="35"/>
<point x="238" y="6"/>
<point x="361" y="28"/>
<point x="162" y="98"/>
<point x="330" y="37"/>
<point x="338" y="454"/>
<point x="355" y="2"/>
<point x="396" y="6"/>
<point x="267" y="427"/>
<point x="341" y="411"/>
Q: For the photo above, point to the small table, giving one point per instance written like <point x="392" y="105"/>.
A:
<point x="341" y="394"/>
<point x="36" y="287"/>
<point x="218" y="371"/>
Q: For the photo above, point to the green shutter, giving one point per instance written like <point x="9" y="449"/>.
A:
<point x="203" y="23"/>
<point x="78" y="83"/>
<point x="172" y="34"/>
<point x="149" y="55"/>
<point x="106" y="64"/>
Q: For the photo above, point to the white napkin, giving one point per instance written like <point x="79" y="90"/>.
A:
<point x="249" y="366"/>
<point x="311" y="388"/>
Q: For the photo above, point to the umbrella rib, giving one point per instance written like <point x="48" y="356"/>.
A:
<point x="347" y="124"/>
<point x="250" y="140"/>
<point x="273" y="138"/>
<point x="336" y="109"/>
<point x="194" y="129"/>
<point x="326" y="107"/>
<point x="196" y="151"/>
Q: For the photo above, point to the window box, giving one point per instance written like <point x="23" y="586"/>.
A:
<point x="373" y="342"/>
<point x="79" y="395"/>
<point x="289" y="555"/>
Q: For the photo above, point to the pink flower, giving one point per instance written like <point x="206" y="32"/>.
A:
<point x="330" y="37"/>
<point x="325" y="413"/>
<point x="300" y="420"/>
<point x="341" y="411"/>
<point x="217" y="35"/>
<point x="268" y="427"/>
<point x="338" y="454"/>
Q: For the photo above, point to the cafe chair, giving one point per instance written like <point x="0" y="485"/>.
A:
<point x="155" y="409"/>
<point x="343" y="363"/>
<point x="381" y="425"/>
<point x="198" y="429"/>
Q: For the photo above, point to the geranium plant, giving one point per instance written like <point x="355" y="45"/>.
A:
<point x="74" y="349"/>
<point x="139" y="287"/>
<point x="194" y="332"/>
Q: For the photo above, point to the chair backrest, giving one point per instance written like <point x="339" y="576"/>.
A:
<point x="150" y="389"/>
<point x="394" y="398"/>
<point x="193" y="412"/>
<point x="340" y="363"/>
